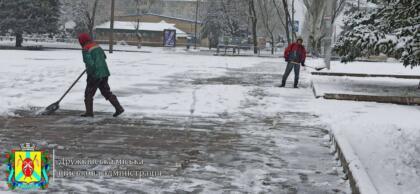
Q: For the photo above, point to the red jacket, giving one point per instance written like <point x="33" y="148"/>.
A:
<point x="295" y="47"/>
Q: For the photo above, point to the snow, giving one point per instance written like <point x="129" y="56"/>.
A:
<point x="159" y="83"/>
<point x="144" y="26"/>
<point x="55" y="70"/>
<point x="377" y="86"/>
<point x="391" y="68"/>
<point x="356" y="167"/>
<point x="70" y="25"/>
<point x="384" y="137"/>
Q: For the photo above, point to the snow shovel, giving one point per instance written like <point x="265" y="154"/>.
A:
<point x="316" y="68"/>
<point x="55" y="106"/>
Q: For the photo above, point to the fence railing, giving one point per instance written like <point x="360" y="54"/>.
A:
<point x="39" y="39"/>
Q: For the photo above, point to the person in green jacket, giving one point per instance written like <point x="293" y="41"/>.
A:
<point x="97" y="75"/>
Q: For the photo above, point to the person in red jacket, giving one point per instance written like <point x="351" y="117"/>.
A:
<point x="295" y="55"/>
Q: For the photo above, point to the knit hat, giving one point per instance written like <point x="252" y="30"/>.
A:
<point x="84" y="38"/>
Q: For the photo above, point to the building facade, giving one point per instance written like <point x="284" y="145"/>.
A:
<point x="185" y="25"/>
<point x="147" y="34"/>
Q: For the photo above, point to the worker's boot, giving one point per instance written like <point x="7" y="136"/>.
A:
<point x="89" y="109"/>
<point x="118" y="108"/>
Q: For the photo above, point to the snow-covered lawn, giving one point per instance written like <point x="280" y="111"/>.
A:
<point x="385" y="137"/>
<point x="392" y="67"/>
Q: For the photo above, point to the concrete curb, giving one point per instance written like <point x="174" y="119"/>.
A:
<point x="360" y="182"/>
<point x="314" y="90"/>
<point x="409" y="100"/>
<point x="403" y="100"/>
<point x="365" y="75"/>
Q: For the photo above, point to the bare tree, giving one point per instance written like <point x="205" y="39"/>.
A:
<point x="91" y="17"/>
<point x="289" y="23"/>
<point x="83" y="13"/>
<point x="281" y="13"/>
<point x="213" y="23"/>
<point x="270" y="24"/>
<point x="338" y="8"/>
<point x="138" y="35"/>
<point x="315" y="22"/>
<point x="234" y="17"/>
<point x="142" y="7"/>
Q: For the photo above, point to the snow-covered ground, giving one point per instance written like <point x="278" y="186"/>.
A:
<point x="38" y="78"/>
<point x="270" y="151"/>
<point x="385" y="137"/>
<point x="392" y="67"/>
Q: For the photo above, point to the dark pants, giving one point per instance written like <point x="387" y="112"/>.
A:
<point x="289" y="68"/>
<point x="93" y="84"/>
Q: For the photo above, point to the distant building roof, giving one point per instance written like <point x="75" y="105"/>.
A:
<point x="144" y="26"/>
<point x="165" y="16"/>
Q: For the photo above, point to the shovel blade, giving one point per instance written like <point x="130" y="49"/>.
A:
<point x="51" y="108"/>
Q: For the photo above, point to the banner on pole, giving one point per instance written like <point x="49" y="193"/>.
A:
<point x="296" y="26"/>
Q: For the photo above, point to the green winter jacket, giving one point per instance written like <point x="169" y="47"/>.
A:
<point x="94" y="58"/>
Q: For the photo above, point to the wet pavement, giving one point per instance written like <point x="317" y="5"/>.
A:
<point x="230" y="152"/>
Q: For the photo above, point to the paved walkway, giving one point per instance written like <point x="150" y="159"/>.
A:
<point x="242" y="151"/>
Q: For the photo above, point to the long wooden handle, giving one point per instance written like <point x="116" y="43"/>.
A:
<point x="74" y="83"/>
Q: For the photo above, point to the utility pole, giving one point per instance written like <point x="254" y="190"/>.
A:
<point x="111" y="29"/>
<point x="195" y="28"/>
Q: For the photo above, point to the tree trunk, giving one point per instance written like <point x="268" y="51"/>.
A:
<point x="254" y="37"/>
<point x="19" y="39"/>
<point x="292" y="22"/>
<point x="272" y="48"/>
<point x="92" y="20"/>
<point x="253" y="15"/>
<point x="281" y="20"/>
<point x="286" y="12"/>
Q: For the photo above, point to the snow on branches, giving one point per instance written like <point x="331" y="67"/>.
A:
<point x="391" y="29"/>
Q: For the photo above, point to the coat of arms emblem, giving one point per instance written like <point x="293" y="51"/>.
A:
<point x="27" y="168"/>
